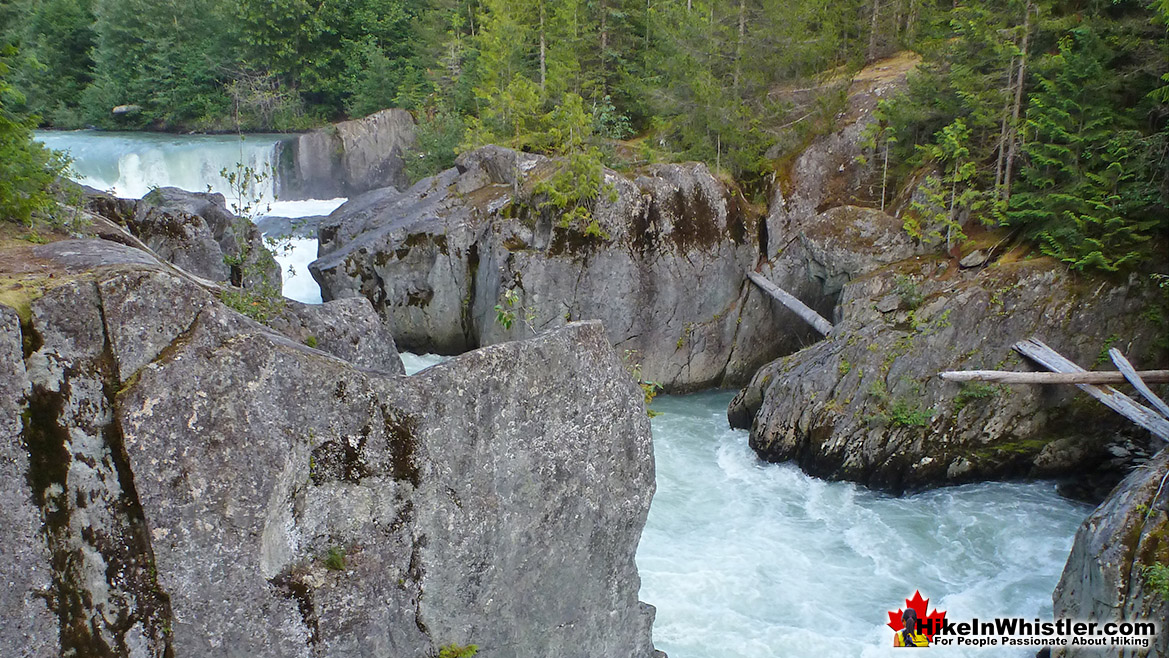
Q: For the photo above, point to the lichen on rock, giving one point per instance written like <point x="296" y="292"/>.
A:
<point x="210" y="486"/>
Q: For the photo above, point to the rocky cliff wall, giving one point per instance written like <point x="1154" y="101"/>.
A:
<point x="183" y="481"/>
<point x="662" y="264"/>
<point x="1110" y="573"/>
<point x="864" y="404"/>
<point x="347" y="158"/>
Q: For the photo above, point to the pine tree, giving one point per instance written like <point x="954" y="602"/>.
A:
<point x="1081" y="192"/>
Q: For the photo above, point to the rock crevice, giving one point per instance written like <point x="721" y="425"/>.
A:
<point x="208" y="486"/>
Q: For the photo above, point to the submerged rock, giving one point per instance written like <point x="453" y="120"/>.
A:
<point x="1118" y="569"/>
<point x="661" y="260"/>
<point x="210" y="487"/>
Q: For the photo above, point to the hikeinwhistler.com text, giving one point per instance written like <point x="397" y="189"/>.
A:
<point x="1017" y="632"/>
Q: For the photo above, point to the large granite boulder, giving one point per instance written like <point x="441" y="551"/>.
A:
<point x="30" y="624"/>
<point x="865" y="404"/>
<point x="662" y="261"/>
<point x="1110" y="574"/>
<point x="193" y="230"/>
<point x="188" y="482"/>
<point x="347" y="158"/>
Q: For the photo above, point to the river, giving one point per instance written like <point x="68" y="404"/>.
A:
<point x="742" y="559"/>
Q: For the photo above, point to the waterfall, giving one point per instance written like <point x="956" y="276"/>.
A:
<point x="131" y="164"/>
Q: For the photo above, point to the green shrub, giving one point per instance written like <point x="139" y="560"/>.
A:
<point x="972" y="391"/>
<point x="909" y="292"/>
<point x="906" y="414"/>
<point x="335" y="559"/>
<point x="260" y="304"/>
<point x="27" y="169"/>
<point x="1157" y="578"/>
<point x="458" y="651"/>
<point x="438" y="140"/>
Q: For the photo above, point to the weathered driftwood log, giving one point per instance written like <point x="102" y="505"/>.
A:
<point x="796" y="306"/>
<point x="1087" y="377"/>
<point x="1137" y="380"/>
<point x="1040" y="353"/>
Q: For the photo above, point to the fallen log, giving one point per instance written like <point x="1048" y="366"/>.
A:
<point x="1086" y="377"/>
<point x="1040" y="353"/>
<point x="1137" y="381"/>
<point x="796" y="306"/>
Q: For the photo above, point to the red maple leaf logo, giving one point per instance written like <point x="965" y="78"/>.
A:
<point x="930" y="623"/>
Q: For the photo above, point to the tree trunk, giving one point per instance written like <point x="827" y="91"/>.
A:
<point x="739" y="48"/>
<point x="911" y="21"/>
<point x="1004" y="130"/>
<point x="872" y="55"/>
<point x="884" y="173"/>
<point x="543" y="50"/>
<point x="604" y="42"/>
<point x="1020" y="79"/>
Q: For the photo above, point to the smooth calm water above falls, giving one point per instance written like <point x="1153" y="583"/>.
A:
<point x="742" y="559"/>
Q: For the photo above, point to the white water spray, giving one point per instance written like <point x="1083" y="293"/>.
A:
<point x="131" y="164"/>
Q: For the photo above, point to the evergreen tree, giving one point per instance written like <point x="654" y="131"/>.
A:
<point x="1083" y="197"/>
<point x="27" y="169"/>
<point x="56" y="37"/>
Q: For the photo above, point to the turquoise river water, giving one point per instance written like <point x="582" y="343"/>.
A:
<point x="742" y="559"/>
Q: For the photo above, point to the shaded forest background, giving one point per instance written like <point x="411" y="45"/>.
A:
<point x="1047" y="116"/>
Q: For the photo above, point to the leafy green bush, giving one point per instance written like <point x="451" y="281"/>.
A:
<point x="906" y="414"/>
<point x="909" y="292"/>
<point x="335" y="559"/>
<point x="458" y="651"/>
<point x="972" y="391"/>
<point x="1157" y="578"/>
<point x="438" y="136"/>
<point x="27" y="169"/>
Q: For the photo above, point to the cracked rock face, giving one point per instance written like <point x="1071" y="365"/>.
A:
<point x="663" y="266"/>
<point x="30" y="627"/>
<point x="866" y="405"/>
<point x="187" y="482"/>
<point x="348" y="158"/>
<point x="1106" y="577"/>
<point x="195" y="231"/>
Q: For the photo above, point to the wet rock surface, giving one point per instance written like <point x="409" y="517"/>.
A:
<point x="198" y="484"/>
<point x="1110" y="573"/>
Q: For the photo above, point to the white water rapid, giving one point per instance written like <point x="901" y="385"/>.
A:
<point x="742" y="559"/>
<point x="130" y="164"/>
<point x="745" y="559"/>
